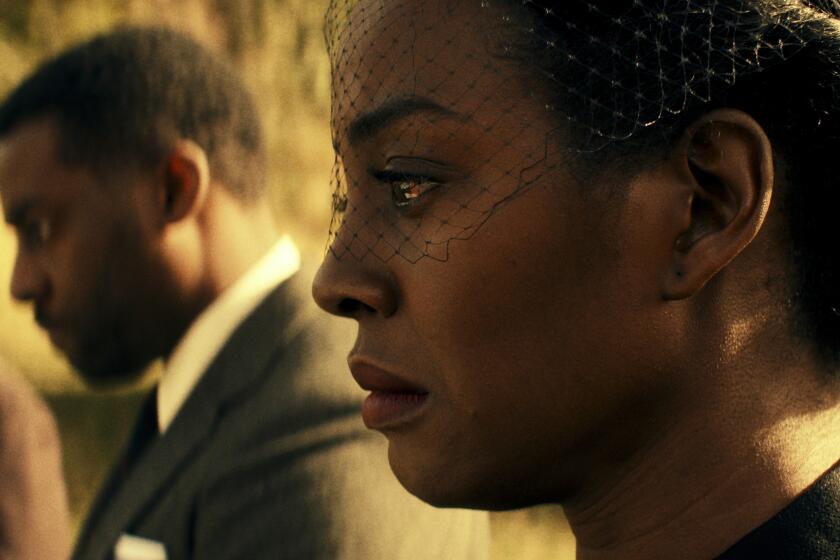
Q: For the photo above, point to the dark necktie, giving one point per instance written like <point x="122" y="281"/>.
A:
<point x="145" y="432"/>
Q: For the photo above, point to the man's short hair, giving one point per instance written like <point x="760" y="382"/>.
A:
<point x="122" y="99"/>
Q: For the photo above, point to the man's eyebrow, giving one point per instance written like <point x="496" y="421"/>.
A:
<point x="367" y="124"/>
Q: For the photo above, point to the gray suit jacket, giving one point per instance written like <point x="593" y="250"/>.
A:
<point x="268" y="458"/>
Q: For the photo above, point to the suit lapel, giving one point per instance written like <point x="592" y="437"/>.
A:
<point x="239" y="366"/>
<point x="148" y="478"/>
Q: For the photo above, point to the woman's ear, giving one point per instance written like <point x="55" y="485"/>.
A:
<point x="726" y="159"/>
<point x="186" y="181"/>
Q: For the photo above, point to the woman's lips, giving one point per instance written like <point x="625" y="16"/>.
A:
<point x="391" y="401"/>
<point x="384" y="409"/>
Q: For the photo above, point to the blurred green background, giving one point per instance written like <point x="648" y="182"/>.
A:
<point x="278" y="47"/>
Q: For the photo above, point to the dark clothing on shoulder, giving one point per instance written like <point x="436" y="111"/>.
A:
<point x="808" y="529"/>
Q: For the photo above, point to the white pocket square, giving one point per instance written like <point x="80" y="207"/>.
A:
<point x="130" y="547"/>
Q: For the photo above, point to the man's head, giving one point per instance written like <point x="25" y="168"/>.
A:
<point x="113" y="158"/>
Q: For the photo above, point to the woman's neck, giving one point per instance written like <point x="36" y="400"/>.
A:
<point x="731" y="457"/>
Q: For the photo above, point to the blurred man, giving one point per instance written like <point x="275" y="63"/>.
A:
<point x="34" y="520"/>
<point x="133" y="169"/>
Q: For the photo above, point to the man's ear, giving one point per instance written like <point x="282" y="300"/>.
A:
<point x="186" y="181"/>
<point x="726" y="160"/>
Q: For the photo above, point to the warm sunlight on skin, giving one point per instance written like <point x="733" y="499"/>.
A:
<point x="629" y="360"/>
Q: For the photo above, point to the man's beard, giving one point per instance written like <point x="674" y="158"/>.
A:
<point x="105" y="349"/>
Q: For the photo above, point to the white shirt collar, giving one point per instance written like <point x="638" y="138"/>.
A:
<point x="209" y="332"/>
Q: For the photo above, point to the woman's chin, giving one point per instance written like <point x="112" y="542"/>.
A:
<point x="454" y="483"/>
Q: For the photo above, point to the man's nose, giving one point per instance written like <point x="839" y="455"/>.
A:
<point x="29" y="281"/>
<point x="352" y="288"/>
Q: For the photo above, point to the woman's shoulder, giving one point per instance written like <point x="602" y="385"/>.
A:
<point x="809" y="528"/>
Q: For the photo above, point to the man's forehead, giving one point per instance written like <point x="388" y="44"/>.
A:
<point x="31" y="144"/>
<point x="20" y="151"/>
<point x="31" y="170"/>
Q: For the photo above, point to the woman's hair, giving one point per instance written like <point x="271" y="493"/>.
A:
<point x="628" y="76"/>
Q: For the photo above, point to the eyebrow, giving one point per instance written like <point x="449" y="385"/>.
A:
<point x="367" y="124"/>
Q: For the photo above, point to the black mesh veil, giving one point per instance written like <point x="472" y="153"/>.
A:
<point x="418" y="82"/>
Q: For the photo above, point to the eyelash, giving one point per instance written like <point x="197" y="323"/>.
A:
<point x="406" y="189"/>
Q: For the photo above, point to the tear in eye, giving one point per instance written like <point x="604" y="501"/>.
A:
<point x="406" y="189"/>
<point x="404" y="192"/>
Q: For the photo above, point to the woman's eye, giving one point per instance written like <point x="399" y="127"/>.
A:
<point x="406" y="190"/>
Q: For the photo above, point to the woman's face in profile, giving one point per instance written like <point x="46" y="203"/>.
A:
<point x="503" y="325"/>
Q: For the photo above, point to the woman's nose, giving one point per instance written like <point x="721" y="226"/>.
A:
<point x="352" y="288"/>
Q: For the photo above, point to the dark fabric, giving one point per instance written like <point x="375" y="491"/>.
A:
<point x="142" y="437"/>
<point x="145" y="433"/>
<point x="808" y="529"/>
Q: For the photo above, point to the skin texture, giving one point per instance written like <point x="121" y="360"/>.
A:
<point x="625" y="356"/>
<point x="118" y="265"/>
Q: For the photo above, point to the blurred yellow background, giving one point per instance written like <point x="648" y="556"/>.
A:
<point x="278" y="47"/>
